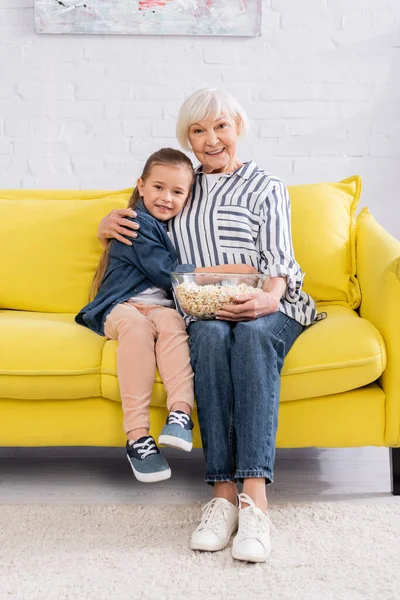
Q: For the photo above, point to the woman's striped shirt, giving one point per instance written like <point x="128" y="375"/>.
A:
<point x="244" y="218"/>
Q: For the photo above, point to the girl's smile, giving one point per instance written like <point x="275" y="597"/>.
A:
<point x="165" y="190"/>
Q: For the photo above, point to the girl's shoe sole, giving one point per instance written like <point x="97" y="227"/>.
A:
<point x="174" y="442"/>
<point x="150" y="477"/>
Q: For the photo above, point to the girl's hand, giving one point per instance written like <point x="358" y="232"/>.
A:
<point x="251" y="306"/>
<point x="116" y="225"/>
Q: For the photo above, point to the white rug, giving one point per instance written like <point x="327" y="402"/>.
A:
<point x="322" y="551"/>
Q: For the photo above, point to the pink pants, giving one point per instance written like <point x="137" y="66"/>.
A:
<point x="149" y="334"/>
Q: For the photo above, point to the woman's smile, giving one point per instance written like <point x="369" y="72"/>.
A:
<point x="204" y="137"/>
<point x="215" y="152"/>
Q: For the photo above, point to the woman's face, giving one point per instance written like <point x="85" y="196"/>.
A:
<point x="214" y="141"/>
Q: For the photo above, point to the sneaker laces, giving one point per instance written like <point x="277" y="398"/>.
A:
<point x="253" y="521"/>
<point x="214" y="513"/>
<point x="146" y="448"/>
<point x="178" y="418"/>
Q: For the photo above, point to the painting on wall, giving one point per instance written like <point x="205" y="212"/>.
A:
<point x="150" y="17"/>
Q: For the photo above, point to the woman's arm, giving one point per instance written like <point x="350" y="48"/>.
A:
<point x="276" y="286"/>
<point x="276" y="260"/>
<point x="230" y="268"/>
<point x="275" y="242"/>
<point x="116" y="225"/>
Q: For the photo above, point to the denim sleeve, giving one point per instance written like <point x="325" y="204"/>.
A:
<point x="185" y="268"/>
<point x="150" y="255"/>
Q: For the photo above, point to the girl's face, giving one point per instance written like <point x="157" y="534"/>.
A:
<point x="214" y="142"/>
<point x="165" y="190"/>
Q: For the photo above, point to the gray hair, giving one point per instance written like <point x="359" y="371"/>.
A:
<point x="206" y="103"/>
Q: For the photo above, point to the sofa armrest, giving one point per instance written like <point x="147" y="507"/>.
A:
<point x="378" y="272"/>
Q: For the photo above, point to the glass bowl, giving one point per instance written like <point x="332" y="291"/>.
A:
<point x="201" y="295"/>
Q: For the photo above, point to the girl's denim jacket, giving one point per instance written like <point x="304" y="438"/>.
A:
<point x="133" y="269"/>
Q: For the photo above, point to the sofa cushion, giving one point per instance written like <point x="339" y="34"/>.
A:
<point x="341" y="353"/>
<point x="323" y="227"/>
<point x="48" y="356"/>
<point x="338" y="354"/>
<point x="52" y="239"/>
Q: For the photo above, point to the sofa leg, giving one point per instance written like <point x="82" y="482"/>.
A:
<point x="395" y="470"/>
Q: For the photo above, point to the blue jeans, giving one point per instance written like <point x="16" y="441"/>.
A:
<point x="237" y="370"/>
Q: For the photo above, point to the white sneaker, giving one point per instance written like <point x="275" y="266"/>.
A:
<point x="218" y="523"/>
<point x="252" y="542"/>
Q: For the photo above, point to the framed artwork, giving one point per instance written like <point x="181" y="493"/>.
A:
<point x="150" y="17"/>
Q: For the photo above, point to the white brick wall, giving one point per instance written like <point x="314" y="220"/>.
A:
<point x="321" y="87"/>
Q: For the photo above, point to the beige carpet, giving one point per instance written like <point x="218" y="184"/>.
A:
<point x="322" y="551"/>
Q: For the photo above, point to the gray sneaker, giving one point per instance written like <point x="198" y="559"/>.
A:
<point x="146" y="461"/>
<point x="177" y="431"/>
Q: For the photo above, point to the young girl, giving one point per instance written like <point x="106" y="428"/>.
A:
<point x="132" y="303"/>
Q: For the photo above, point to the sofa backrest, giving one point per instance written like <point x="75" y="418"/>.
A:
<point x="323" y="229"/>
<point x="49" y="248"/>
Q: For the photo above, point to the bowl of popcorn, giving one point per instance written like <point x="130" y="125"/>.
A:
<point x="201" y="295"/>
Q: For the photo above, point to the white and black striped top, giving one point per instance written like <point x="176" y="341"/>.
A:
<point x="243" y="218"/>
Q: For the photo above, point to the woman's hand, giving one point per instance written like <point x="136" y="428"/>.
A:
<point x="255" y="304"/>
<point x="116" y="225"/>
<point x="251" y="306"/>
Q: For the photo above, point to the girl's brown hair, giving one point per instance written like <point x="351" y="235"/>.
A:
<point x="165" y="156"/>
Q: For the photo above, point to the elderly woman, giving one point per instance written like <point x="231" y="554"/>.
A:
<point x="238" y="214"/>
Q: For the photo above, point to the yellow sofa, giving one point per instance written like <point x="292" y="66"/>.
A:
<point x="58" y="381"/>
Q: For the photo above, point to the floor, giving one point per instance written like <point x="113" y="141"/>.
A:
<point x="103" y="476"/>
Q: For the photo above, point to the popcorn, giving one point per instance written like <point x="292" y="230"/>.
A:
<point x="203" y="301"/>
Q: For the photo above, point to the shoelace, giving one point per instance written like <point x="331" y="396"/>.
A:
<point x="176" y="418"/>
<point x="253" y="521"/>
<point x="214" y="513"/>
<point x="146" y="448"/>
